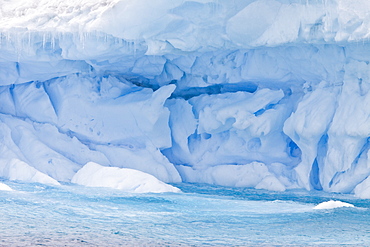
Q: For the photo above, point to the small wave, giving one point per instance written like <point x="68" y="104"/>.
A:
<point x="333" y="204"/>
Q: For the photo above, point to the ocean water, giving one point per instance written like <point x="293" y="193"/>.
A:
<point x="202" y="215"/>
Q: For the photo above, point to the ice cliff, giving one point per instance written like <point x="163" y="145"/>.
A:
<point x="270" y="94"/>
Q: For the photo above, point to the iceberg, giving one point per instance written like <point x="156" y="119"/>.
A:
<point x="269" y="94"/>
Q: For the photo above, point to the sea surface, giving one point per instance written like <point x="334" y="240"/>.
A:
<point x="202" y="215"/>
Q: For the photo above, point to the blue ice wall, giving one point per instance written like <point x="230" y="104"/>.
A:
<point x="234" y="94"/>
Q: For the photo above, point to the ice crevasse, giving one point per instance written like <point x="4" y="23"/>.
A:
<point x="269" y="94"/>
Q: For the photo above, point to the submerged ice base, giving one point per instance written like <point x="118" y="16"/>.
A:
<point x="193" y="91"/>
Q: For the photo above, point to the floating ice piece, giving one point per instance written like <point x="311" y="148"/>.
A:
<point x="5" y="187"/>
<point x="129" y="180"/>
<point x="333" y="204"/>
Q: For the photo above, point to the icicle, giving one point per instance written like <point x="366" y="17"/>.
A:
<point x="29" y="39"/>
<point x="134" y="48"/>
<point x="8" y="39"/>
<point x="129" y="46"/>
<point x="43" y="41"/>
<point x="19" y="47"/>
<point x="61" y="37"/>
<point x="52" y="41"/>
<point x="99" y="36"/>
<point x="81" y="39"/>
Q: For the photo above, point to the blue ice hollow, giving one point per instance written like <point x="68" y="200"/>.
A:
<point x="269" y="94"/>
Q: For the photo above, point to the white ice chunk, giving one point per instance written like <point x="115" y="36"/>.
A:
<point x="128" y="180"/>
<point x="333" y="204"/>
<point x="5" y="187"/>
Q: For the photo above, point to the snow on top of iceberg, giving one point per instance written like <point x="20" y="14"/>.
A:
<point x="175" y="25"/>
<point x="125" y="179"/>
<point x="333" y="204"/>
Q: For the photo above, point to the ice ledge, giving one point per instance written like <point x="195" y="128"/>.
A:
<point x="169" y="26"/>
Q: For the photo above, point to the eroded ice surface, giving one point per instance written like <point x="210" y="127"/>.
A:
<point x="269" y="94"/>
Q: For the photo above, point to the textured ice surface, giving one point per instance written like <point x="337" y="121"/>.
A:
<point x="267" y="94"/>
